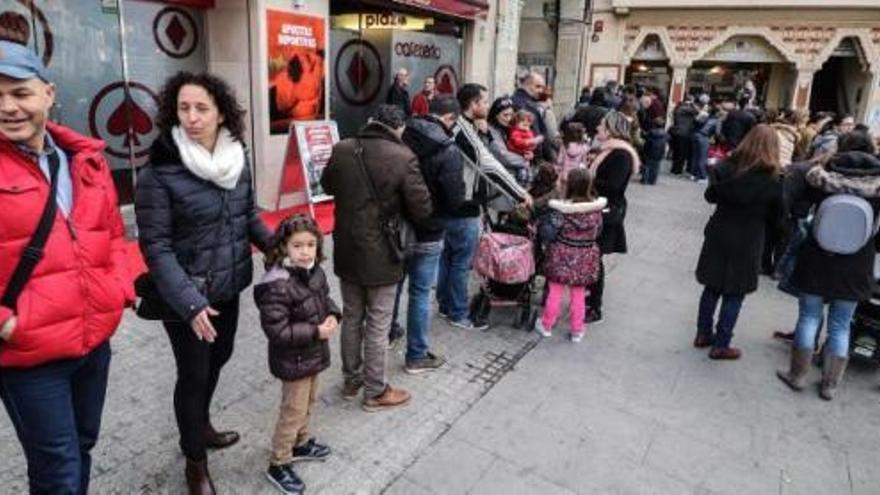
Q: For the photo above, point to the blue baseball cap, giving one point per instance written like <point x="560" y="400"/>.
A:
<point x="20" y="62"/>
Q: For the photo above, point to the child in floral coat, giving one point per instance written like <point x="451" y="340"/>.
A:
<point x="572" y="255"/>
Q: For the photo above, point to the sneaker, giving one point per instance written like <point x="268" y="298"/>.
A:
<point x="443" y="314"/>
<point x="431" y="362"/>
<point x="350" y="390"/>
<point x="311" y="451"/>
<point x="467" y="324"/>
<point x="594" y="316"/>
<point x="577" y="337"/>
<point x="285" y="479"/>
<point x="390" y="398"/>
<point x="539" y="327"/>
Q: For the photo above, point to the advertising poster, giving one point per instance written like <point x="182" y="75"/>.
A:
<point x="296" y="69"/>
<point x="308" y="152"/>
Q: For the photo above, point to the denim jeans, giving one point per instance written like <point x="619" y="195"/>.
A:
<point x="421" y="267"/>
<point x="840" y="315"/>
<point x="730" y="306"/>
<point x="459" y="245"/>
<point x="56" y="411"/>
<point x="651" y="171"/>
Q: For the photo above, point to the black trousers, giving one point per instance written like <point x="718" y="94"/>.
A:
<point x="681" y="152"/>
<point x="198" y="370"/>
<point x="594" y="298"/>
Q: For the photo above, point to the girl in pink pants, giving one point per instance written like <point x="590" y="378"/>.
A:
<point x="572" y="256"/>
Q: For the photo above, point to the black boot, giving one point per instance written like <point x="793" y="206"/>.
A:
<point x="220" y="439"/>
<point x="198" y="480"/>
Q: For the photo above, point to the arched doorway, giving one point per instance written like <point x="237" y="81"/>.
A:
<point x="650" y="67"/>
<point x="745" y="67"/>
<point x="842" y="83"/>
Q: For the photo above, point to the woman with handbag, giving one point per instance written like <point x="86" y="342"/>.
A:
<point x="196" y="220"/>
<point x="612" y="168"/>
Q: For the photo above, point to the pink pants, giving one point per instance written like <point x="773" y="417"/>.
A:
<point x="576" y="307"/>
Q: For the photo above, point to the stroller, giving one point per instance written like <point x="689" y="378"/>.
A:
<point x="505" y="266"/>
<point x="864" y="342"/>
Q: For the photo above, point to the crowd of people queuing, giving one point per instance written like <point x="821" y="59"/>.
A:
<point x="413" y="189"/>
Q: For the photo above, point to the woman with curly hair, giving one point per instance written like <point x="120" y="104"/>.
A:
<point x="196" y="220"/>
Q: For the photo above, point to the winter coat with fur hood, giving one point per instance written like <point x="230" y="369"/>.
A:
<point x="830" y="275"/>
<point x="573" y="257"/>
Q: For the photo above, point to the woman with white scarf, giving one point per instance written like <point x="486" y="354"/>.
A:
<point x="196" y="220"/>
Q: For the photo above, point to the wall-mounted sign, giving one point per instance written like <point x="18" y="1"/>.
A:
<point x="383" y="20"/>
<point x="296" y="68"/>
<point x="417" y="50"/>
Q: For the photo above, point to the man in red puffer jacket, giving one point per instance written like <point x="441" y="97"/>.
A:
<point x="54" y="337"/>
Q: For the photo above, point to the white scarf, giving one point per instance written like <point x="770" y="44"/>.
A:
<point x="223" y="167"/>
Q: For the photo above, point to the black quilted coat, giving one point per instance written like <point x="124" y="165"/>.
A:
<point x="293" y="302"/>
<point x="195" y="236"/>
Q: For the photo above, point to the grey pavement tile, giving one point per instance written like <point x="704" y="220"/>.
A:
<point x="505" y="478"/>
<point x="404" y="486"/>
<point x="452" y="466"/>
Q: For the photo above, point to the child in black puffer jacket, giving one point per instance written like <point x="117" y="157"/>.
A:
<point x="298" y="317"/>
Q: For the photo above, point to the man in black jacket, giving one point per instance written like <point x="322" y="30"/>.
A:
<point x="431" y="139"/>
<point x="683" y="121"/>
<point x="736" y="124"/>
<point x="398" y="95"/>
<point x="526" y="98"/>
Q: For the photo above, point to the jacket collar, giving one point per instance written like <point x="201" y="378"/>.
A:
<point x="66" y="139"/>
<point x="378" y="130"/>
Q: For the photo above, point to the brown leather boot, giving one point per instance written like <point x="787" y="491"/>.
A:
<point x="832" y="372"/>
<point x="198" y="480"/>
<point x="797" y="373"/>
<point x="389" y="399"/>
<point x="220" y="439"/>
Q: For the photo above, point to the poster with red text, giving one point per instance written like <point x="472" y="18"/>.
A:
<point x="296" y="68"/>
<point x="308" y="152"/>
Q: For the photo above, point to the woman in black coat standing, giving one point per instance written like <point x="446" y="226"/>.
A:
<point x="613" y="167"/>
<point x="747" y="191"/>
<point x="836" y="279"/>
<point x="196" y="220"/>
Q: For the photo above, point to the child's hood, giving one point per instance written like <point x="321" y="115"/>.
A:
<point x="274" y="274"/>
<point x="567" y="207"/>
<point x="575" y="149"/>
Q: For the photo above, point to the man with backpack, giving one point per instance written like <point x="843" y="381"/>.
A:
<point x="63" y="278"/>
<point x="835" y="265"/>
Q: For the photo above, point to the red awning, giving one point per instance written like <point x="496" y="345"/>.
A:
<point x="198" y="4"/>
<point x="467" y="9"/>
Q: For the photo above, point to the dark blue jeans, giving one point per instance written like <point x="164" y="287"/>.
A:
<point x="652" y="170"/>
<point x="459" y="246"/>
<point x="421" y="268"/>
<point x="56" y="411"/>
<point x="730" y="306"/>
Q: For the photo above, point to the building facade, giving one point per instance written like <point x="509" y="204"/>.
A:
<point x="288" y="60"/>
<point x="805" y="54"/>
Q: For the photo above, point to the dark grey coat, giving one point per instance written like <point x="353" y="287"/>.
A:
<point x="195" y="236"/>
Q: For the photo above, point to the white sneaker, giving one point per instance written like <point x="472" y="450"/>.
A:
<point x="576" y="337"/>
<point x="539" y="327"/>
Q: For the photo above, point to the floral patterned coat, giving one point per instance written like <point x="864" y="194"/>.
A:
<point x="573" y="257"/>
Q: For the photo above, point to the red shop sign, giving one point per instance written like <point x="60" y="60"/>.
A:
<point x="468" y="9"/>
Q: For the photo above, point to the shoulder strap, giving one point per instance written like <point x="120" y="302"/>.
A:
<point x="33" y="252"/>
<point x="371" y="186"/>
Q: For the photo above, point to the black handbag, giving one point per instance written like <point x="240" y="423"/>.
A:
<point x="390" y="224"/>
<point x="33" y="252"/>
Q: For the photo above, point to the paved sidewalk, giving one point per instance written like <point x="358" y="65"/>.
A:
<point x="632" y="409"/>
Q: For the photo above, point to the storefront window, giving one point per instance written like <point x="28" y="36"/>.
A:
<point x="97" y="75"/>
